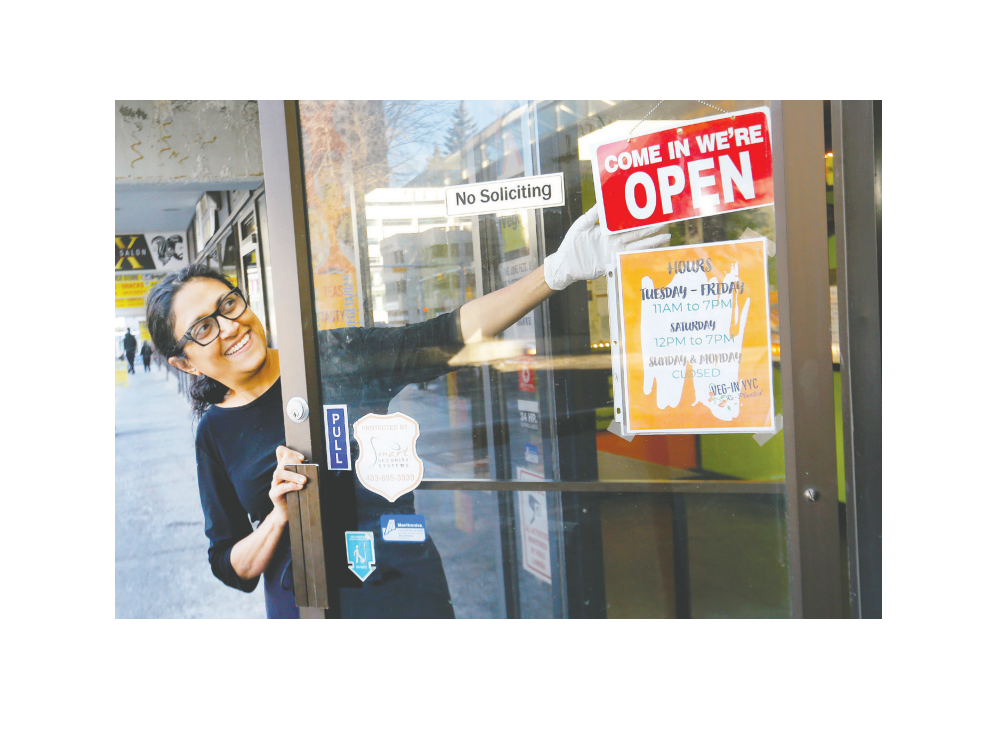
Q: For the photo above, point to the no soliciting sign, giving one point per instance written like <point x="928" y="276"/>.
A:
<point x="543" y="191"/>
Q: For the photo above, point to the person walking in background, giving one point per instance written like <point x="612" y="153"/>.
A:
<point x="145" y="354"/>
<point x="130" y="348"/>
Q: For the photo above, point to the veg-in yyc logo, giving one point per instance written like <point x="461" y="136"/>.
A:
<point x="728" y="395"/>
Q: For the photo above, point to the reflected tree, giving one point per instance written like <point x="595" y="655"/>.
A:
<point x="462" y="130"/>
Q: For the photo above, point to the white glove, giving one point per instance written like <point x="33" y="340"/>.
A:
<point x="586" y="251"/>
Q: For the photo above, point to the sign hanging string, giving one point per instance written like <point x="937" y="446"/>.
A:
<point x="630" y="133"/>
<point x="712" y="105"/>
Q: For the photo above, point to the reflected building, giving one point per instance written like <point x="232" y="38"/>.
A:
<point x="421" y="262"/>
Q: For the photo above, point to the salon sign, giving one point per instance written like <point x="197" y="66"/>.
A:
<point x="388" y="462"/>
<point x="689" y="170"/>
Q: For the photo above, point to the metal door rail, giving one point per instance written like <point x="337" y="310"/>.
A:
<point x="657" y="487"/>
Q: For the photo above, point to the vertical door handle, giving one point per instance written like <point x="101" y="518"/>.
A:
<point x="307" y="547"/>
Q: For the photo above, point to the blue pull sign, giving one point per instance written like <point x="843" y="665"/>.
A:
<point x="337" y="437"/>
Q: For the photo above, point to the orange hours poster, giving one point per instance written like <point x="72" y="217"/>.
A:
<point x="696" y="339"/>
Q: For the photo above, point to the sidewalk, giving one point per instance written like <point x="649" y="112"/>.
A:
<point x="162" y="568"/>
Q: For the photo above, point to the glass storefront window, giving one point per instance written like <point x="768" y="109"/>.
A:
<point x="536" y="507"/>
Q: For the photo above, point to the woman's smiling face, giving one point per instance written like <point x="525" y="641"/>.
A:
<point x="239" y="351"/>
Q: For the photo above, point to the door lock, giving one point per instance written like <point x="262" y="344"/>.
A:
<point x="297" y="410"/>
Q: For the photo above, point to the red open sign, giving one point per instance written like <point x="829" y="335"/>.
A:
<point x="706" y="167"/>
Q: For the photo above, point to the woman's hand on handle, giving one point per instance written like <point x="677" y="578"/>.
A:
<point x="285" y="480"/>
<point x="251" y="555"/>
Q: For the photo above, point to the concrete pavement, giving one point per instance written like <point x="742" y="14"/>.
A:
<point x="162" y="568"/>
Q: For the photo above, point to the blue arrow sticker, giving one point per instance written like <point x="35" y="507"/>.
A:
<point x="337" y="437"/>
<point x="359" y="553"/>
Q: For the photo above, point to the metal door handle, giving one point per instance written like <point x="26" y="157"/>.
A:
<point x="307" y="547"/>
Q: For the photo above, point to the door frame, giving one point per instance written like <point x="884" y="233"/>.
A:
<point x="807" y="390"/>
<point x="811" y="484"/>
<point x="857" y="168"/>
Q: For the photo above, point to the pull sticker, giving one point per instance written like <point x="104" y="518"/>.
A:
<point x="337" y="437"/>
<point x="388" y="462"/>
<point x="360" y="555"/>
<point x="402" y="527"/>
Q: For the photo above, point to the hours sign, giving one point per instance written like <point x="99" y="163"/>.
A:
<point x="695" y="339"/>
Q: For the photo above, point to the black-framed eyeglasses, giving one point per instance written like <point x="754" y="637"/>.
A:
<point x="206" y="330"/>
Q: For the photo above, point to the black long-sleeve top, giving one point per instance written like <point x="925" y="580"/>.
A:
<point x="235" y="453"/>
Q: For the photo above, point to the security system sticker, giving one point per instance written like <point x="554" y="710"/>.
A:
<point x="687" y="170"/>
<point x="388" y="462"/>
<point x="360" y="555"/>
<point x="518" y="193"/>
<point x="695" y="350"/>
<point x="402" y="528"/>
<point x="337" y="437"/>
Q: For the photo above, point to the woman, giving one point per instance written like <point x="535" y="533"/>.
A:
<point x="202" y="324"/>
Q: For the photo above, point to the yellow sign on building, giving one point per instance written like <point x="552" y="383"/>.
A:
<point x="129" y="303"/>
<point x="132" y="289"/>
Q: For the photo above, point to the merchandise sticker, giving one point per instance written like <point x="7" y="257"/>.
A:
<point x="687" y="170"/>
<point x="403" y="528"/>
<point x="337" y="437"/>
<point x="695" y="351"/>
<point x="388" y="462"/>
<point x="531" y="454"/>
<point x="525" y="374"/>
<point x="534" y="534"/>
<point x="360" y="555"/>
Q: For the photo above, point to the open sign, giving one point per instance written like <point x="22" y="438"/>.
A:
<point x="708" y="166"/>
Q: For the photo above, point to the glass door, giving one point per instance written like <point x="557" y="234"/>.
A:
<point x="533" y="500"/>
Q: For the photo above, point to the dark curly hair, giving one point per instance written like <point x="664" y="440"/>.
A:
<point x="204" y="391"/>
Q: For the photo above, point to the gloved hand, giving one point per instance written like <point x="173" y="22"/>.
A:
<point x="586" y="250"/>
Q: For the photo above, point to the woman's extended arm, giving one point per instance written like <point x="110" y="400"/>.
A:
<point x="582" y="256"/>
<point x="489" y="315"/>
<point x="251" y="555"/>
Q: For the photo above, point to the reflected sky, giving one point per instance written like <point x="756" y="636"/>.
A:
<point x="436" y="120"/>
